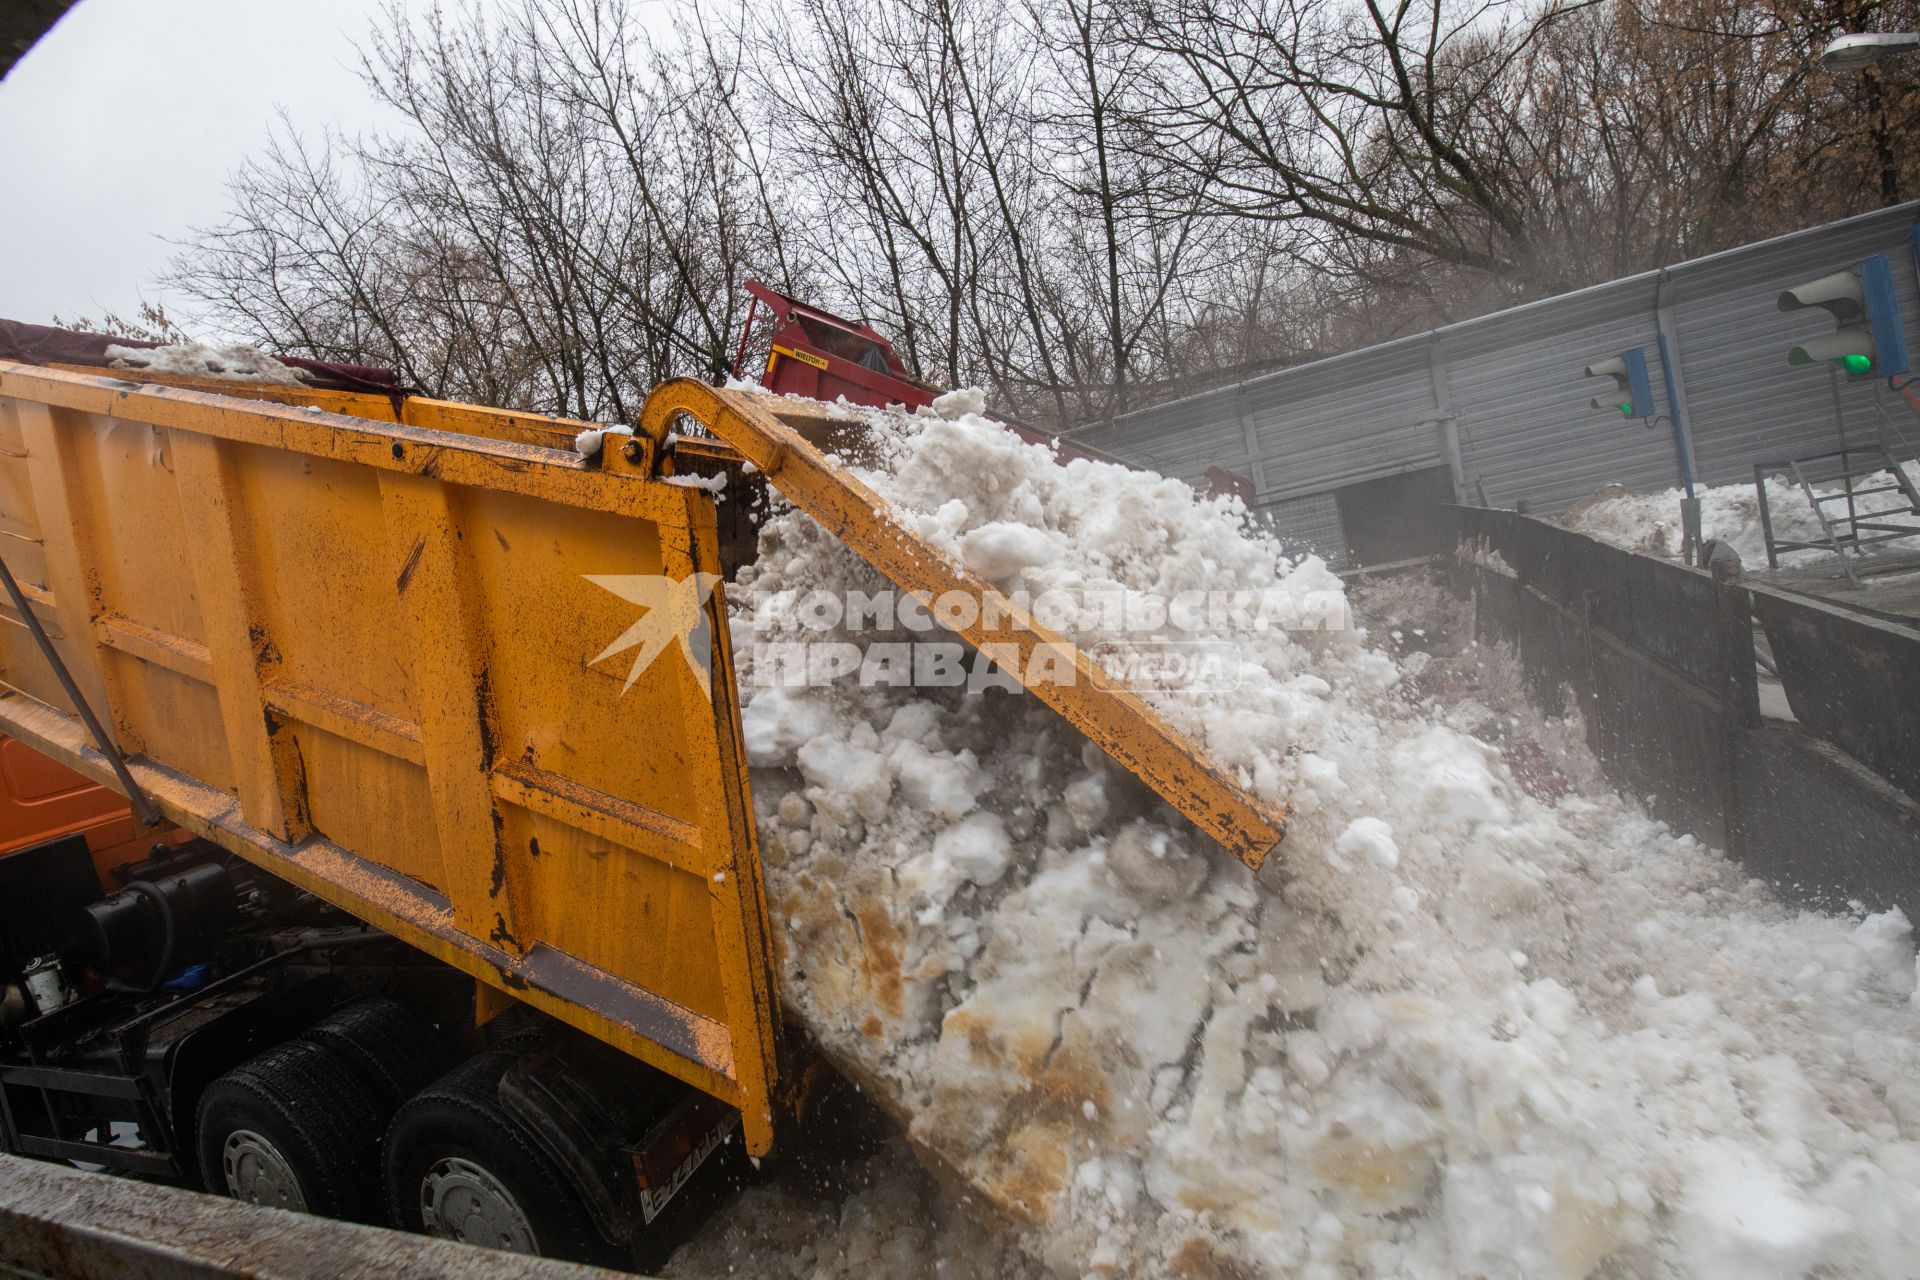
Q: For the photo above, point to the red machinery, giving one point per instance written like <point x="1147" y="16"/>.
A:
<point x="823" y="356"/>
<point x="817" y="354"/>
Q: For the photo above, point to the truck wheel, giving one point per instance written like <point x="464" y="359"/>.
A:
<point x="291" y="1128"/>
<point x="393" y="1050"/>
<point x="459" y="1167"/>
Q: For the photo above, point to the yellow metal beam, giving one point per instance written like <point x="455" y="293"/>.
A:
<point x="226" y="570"/>
<point x="735" y="889"/>
<point x="538" y="471"/>
<point x="441" y="609"/>
<point x="1118" y="721"/>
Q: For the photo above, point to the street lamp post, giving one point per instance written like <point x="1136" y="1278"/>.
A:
<point x="1852" y="54"/>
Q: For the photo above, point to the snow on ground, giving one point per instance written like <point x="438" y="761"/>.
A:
<point x="237" y="363"/>
<point x="1466" y="1021"/>
<point x="1650" y="522"/>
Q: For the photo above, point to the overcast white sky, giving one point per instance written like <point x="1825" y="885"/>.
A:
<point x="119" y="129"/>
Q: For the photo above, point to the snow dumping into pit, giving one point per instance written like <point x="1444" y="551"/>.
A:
<point x="1730" y="513"/>
<point x="236" y="363"/>
<point x="1449" y="1029"/>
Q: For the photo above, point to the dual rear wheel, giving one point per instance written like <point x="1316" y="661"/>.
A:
<point x="355" y="1119"/>
<point x="457" y="1166"/>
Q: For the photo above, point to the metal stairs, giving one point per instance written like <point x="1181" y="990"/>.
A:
<point x="1847" y="533"/>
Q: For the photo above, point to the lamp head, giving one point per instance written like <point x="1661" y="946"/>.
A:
<point x="1856" y="51"/>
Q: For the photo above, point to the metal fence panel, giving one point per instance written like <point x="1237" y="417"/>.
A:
<point x="1313" y="438"/>
<point x="1507" y="387"/>
<point x="1527" y="430"/>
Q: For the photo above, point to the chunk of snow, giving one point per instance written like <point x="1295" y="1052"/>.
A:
<point x="1372" y="837"/>
<point x="959" y="403"/>
<point x="1885" y="941"/>
<point x="1740" y="1217"/>
<point x="777" y="723"/>
<point x="974" y="850"/>
<point x="1003" y="548"/>
<point x="590" y="441"/>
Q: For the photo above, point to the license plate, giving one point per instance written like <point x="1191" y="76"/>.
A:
<point x="654" y="1198"/>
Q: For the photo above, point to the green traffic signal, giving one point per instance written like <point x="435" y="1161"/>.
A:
<point x="1626" y="410"/>
<point x="1856" y="363"/>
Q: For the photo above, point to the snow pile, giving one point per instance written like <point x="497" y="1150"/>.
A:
<point x="236" y="363"/>
<point x="1450" y="1029"/>
<point x="1650" y="522"/>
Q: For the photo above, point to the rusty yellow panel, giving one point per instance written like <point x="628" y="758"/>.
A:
<point x="559" y="710"/>
<point x="19" y="518"/>
<point x="177" y="718"/>
<point x="21" y="666"/>
<point x="616" y="906"/>
<point x="366" y="800"/>
<point x="320" y="534"/>
<point x="125" y="479"/>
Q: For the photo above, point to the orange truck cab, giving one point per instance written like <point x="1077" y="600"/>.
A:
<point x="41" y="799"/>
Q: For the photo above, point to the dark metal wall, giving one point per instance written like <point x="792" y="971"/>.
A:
<point x="1661" y="660"/>
<point x="1852" y="680"/>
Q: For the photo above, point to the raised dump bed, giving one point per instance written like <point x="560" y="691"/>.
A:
<point x="363" y="642"/>
<point x="360" y="654"/>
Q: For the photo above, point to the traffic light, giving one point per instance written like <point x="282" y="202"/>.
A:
<point x="1868" y="338"/>
<point x="1633" y="391"/>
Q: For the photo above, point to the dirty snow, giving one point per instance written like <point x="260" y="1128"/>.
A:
<point x="236" y="363"/>
<point x="1650" y="522"/>
<point x="1456" y="1025"/>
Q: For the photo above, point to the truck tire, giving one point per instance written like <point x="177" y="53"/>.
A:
<point x="393" y="1051"/>
<point x="295" y="1129"/>
<point x="459" y="1167"/>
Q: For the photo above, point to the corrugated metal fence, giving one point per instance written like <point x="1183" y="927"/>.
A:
<point x="1500" y="400"/>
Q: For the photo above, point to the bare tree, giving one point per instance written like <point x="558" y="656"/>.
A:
<point x="1084" y="207"/>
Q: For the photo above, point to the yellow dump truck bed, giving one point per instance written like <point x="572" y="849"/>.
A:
<point x="360" y="654"/>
